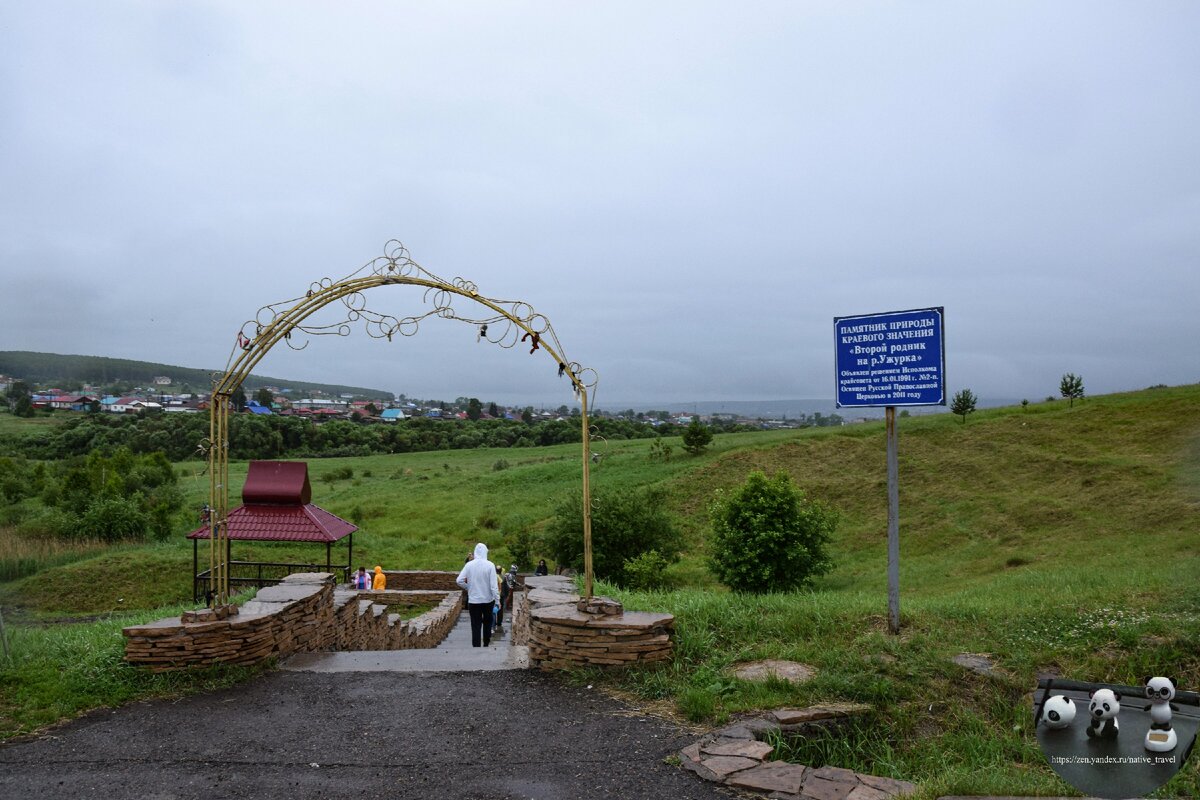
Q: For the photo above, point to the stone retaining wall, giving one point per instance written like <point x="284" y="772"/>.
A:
<point x="363" y="620"/>
<point x="562" y="632"/>
<point x="426" y="580"/>
<point x="303" y="613"/>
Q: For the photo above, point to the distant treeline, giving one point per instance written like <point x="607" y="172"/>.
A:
<point x="253" y="436"/>
<point x="73" y="371"/>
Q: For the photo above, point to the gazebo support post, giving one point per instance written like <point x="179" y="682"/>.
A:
<point x="328" y="562"/>
<point x="195" y="569"/>
<point x="349" y="558"/>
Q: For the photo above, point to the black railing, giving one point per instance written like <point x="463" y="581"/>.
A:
<point x="260" y="574"/>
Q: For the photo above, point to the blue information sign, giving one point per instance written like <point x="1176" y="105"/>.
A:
<point x="892" y="359"/>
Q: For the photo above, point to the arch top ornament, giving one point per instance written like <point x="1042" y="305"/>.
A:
<point x="505" y="323"/>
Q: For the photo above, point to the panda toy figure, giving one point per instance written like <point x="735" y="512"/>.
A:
<point x="1161" y="736"/>
<point x="1058" y="712"/>
<point x="1104" y="706"/>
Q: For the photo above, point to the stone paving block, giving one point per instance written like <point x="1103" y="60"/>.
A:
<point x="820" y="789"/>
<point x="836" y="774"/>
<point x="745" y="748"/>
<point x="690" y="753"/>
<point x="719" y="768"/>
<point x="738" y="731"/>
<point x="774" y="776"/>
<point x="797" y="716"/>
<point x="864" y="792"/>
<point x="890" y="786"/>
<point x="759" y="726"/>
<point x="760" y="671"/>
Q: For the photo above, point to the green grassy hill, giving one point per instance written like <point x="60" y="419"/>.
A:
<point x="46" y="368"/>
<point x="1054" y="539"/>
<point x="1008" y="496"/>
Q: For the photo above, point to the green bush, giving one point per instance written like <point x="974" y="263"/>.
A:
<point x="49" y="522"/>
<point x="625" y="524"/>
<point x="767" y="537"/>
<point x="646" y="571"/>
<point x="112" y="519"/>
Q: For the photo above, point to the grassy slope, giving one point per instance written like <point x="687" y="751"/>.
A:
<point x="1052" y="538"/>
<point x="13" y="427"/>
<point x="416" y="511"/>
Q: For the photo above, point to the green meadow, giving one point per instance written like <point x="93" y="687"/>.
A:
<point x="1051" y="539"/>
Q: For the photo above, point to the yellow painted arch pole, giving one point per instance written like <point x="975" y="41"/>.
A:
<point x="251" y="351"/>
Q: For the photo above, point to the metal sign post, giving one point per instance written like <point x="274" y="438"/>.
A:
<point x="893" y="542"/>
<point x="893" y="359"/>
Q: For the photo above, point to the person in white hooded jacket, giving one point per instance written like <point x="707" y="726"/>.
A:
<point x="478" y="577"/>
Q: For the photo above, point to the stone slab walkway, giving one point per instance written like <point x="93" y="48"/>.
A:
<point x="454" y="654"/>
<point x="735" y="756"/>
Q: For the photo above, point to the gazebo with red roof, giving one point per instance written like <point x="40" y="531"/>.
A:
<point x="277" y="507"/>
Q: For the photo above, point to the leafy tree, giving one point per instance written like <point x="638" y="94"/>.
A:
<point x="493" y="412"/>
<point x="372" y="409"/>
<point x="1071" y="387"/>
<point x="264" y="397"/>
<point x="20" y="402"/>
<point x="527" y="415"/>
<point x="696" y="437"/>
<point x="767" y="537"/>
<point x="474" y="409"/>
<point x="963" y="404"/>
<point x="625" y="524"/>
<point x="238" y="398"/>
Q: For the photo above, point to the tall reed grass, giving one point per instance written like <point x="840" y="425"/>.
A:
<point x="24" y="555"/>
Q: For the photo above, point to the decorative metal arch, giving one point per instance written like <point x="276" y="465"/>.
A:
<point x="505" y="323"/>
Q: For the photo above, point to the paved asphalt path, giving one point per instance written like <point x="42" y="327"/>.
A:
<point x="294" y="735"/>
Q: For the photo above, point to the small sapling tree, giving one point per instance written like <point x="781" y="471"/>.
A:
<point x="767" y="537"/>
<point x="1071" y="387"/>
<point x="963" y="404"/>
<point x="696" y="437"/>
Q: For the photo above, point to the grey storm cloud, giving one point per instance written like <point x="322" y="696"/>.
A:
<point x="691" y="192"/>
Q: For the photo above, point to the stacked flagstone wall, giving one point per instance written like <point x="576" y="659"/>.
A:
<point x="303" y="613"/>
<point x="364" y="621"/>
<point x="427" y="580"/>
<point x="562" y="631"/>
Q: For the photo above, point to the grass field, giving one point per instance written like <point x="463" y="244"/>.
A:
<point x="1051" y="538"/>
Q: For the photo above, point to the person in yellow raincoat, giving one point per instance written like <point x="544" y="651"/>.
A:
<point x="380" y="582"/>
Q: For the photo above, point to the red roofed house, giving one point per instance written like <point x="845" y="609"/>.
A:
<point x="276" y="507"/>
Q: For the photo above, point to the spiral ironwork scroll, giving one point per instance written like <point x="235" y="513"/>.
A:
<point x="506" y="323"/>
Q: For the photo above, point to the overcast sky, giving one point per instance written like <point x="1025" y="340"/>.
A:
<point x="690" y="191"/>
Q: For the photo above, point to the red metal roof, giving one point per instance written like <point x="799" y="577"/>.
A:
<point x="307" y="523"/>
<point x="277" y="483"/>
<point x="276" y="508"/>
